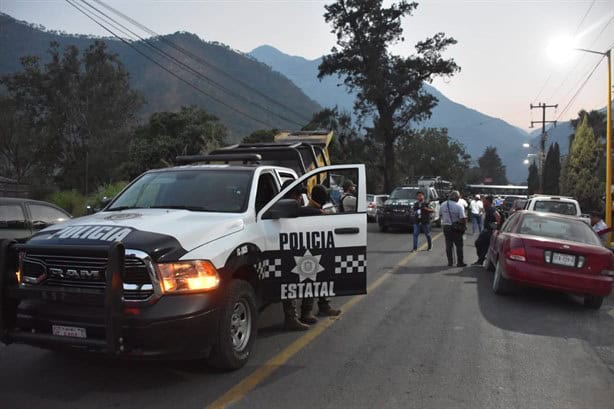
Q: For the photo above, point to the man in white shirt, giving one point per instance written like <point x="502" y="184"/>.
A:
<point x="477" y="209"/>
<point x="463" y="203"/>
<point x="452" y="213"/>
<point x="598" y="225"/>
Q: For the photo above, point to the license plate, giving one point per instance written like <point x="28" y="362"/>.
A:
<point x="563" y="259"/>
<point x="73" y="332"/>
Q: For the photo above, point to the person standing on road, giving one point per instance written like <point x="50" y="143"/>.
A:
<point x="597" y="222"/>
<point x="492" y="220"/>
<point x="291" y="321"/>
<point x="463" y="203"/>
<point x="454" y="222"/>
<point x="598" y="225"/>
<point x="477" y="209"/>
<point x="422" y="224"/>
<point x="319" y="197"/>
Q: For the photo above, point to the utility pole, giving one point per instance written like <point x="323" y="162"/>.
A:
<point x="542" y="141"/>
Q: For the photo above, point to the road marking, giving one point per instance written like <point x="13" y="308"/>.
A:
<point x="241" y="389"/>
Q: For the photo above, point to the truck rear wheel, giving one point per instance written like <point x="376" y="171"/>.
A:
<point x="238" y="327"/>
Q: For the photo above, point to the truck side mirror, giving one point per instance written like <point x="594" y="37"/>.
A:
<point x="283" y="209"/>
<point x="105" y="201"/>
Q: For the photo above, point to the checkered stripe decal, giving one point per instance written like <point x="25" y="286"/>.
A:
<point x="269" y="268"/>
<point x="350" y="264"/>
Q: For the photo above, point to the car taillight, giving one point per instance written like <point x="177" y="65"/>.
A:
<point x="517" y="251"/>
<point x="371" y="205"/>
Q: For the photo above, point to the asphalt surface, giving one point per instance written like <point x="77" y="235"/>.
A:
<point x="426" y="336"/>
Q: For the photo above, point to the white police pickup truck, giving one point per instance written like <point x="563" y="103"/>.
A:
<point x="180" y="263"/>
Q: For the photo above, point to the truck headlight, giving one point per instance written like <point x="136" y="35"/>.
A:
<point x="188" y="276"/>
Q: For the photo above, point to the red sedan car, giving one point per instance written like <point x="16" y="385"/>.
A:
<point x="551" y="251"/>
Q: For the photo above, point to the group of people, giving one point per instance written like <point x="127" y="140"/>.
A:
<point x="454" y="214"/>
<point x="318" y="200"/>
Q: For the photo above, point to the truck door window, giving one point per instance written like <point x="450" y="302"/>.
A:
<point x="330" y="201"/>
<point x="267" y="189"/>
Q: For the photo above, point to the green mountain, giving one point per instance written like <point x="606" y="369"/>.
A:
<point x="269" y="101"/>
<point x="470" y="127"/>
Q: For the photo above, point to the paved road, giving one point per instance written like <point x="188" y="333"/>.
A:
<point x="426" y="336"/>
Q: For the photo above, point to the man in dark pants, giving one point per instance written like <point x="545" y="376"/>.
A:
<point x="319" y="197"/>
<point x="423" y="221"/>
<point x="492" y="219"/>
<point x="453" y="213"/>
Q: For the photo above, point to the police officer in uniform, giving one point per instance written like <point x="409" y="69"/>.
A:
<point x="319" y="197"/>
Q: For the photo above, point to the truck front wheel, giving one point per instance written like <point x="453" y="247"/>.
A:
<point x="238" y="327"/>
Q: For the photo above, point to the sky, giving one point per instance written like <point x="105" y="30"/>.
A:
<point x="502" y="44"/>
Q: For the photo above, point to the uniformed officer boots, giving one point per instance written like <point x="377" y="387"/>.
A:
<point x="325" y="310"/>
<point x="291" y="322"/>
<point x="308" y="318"/>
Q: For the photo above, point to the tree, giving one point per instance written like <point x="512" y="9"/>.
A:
<point x="533" y="179"/>
<point x="596" y="120"/>
<point x="430" y="151"/>
<point x="21" y="151"/>
<point x="582" y="180"/>
<point x="81" y="107"/>
<point x="552" y="170"/>
<point x="167" y="135"/>
<point x="28" y="152"/>
<point x="389" y="87"/>
<point x="490" y="169"/>
<point x="349" y="145"/>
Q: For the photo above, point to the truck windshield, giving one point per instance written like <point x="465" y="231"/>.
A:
<point x="197" y="190"/>
<point x="404" y="193"/>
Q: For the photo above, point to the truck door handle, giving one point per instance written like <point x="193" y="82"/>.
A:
<point x="347" y="230"/>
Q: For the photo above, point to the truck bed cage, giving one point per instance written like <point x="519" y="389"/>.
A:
<point x="245" y="158"/>
<point x="302" y="156"/>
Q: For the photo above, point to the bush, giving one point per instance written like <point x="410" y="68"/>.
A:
<point x="70" y="200"/>
<point x="76" y="204"/>
<point x="110" y="190"/>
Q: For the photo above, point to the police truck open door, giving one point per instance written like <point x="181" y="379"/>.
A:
<point x="305" y="261"/>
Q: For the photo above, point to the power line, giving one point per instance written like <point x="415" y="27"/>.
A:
<point x="575" y="34"/>
<point x="188" y="68"/>
<point x="584" y="18"/>
<point x="574" y="69"/>
<point x="198" y="59"/>
<point x="579" y="89"/>
<point x="166" y="69"/>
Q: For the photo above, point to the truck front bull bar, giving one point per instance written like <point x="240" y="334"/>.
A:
<point x="12" y="293"/>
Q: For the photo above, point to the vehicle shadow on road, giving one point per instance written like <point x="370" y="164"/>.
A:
<point x="542" y="312"/>
<point x="87" y="373"/>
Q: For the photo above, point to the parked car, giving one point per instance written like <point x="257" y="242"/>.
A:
<point x="399" y="208"/>
<point x="375" y="203"/>
<point x="554" y="204"/>
<point x="21" y="218"/>
<point x="518" y="205"/>
<point x="508" y="204"/>
<point x="551" y="251"/>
